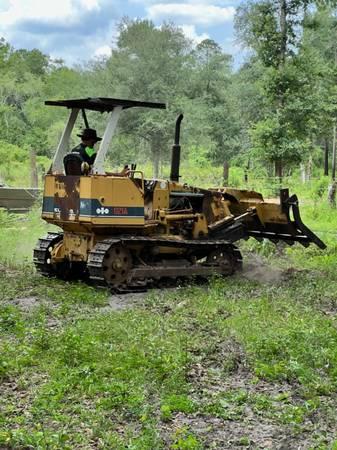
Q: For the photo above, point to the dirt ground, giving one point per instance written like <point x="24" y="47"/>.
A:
<point x="245" y="426"/>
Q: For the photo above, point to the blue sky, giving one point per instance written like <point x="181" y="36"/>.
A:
<point x="77" y="30"/>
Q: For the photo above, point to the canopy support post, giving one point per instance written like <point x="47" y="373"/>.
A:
<point x="62" y="148"/>
<point x="103" y="148"/>
<point x="85" y="120"/>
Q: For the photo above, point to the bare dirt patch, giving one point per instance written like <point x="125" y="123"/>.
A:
<point x="247" y="425"/>
<point x="124" y="301"/>
<point x="217" y="433"/>
<point x="237" y="410"/>
<point x="255" y="268"/>
<point x="26" y="304"/>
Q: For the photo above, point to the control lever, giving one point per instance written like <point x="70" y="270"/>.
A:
<point x="132" y="168"/>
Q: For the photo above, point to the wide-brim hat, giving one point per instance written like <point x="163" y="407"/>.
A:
<point x="89" y="134"/>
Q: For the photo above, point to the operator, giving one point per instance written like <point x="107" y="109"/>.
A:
<point x="87" y="151"/>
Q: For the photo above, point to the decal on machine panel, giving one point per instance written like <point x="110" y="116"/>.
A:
<point x="93" y="208"/>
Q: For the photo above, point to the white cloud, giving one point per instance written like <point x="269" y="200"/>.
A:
<point x="206" y="2"/>
<point x="90" y="4"/>
<point x="230" y="46"/>
<point x="104" y="50"/>
<point x="67" y="29"/>
<point x="198" y="13"/>
<point x="78" y="29"/>
<point x="43" y="10"/>
<point x="191" y="33"/>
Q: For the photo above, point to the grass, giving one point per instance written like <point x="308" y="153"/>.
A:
<point x="18" y="236"/>
<point x="218" y="366"/>
<point x="113" y="380"/>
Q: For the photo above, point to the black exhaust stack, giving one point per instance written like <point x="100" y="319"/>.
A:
<point x="175" y="161"/>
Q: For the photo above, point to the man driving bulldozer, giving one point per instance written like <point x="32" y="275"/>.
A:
<point x="86" y="150"/>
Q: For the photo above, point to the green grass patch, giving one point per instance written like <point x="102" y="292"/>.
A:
<point x="96" y="375"/>
<point x="19" y="234"/>
<point x="74" y="375"/>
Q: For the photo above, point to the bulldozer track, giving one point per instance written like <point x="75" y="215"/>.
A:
<point x="42" y="253"/>
<point x="142" y="275"/>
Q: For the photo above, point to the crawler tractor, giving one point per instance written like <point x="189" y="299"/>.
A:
<point x="128" y="232"/>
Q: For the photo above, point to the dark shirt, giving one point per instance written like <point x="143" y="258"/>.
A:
<point x="84" y="153"/>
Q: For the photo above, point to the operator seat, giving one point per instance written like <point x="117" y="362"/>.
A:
<point x="73" y="164"/>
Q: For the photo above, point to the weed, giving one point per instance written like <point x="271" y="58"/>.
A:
<point x="244" y="441"/>
<point x="118" y="379"/>
<point x="176" y="403"/>
<point x="184" y="440"/>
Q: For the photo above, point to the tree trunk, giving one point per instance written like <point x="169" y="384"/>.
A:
<point x="156" y="161"/>
<point x="333" y="175"/>
<point x="246" y="171"/>
<point x="332" y="194"/>
<point x="283" y="31"/>
<point x="281" y="64"/>
<point x="309" y="169"/>
<point x="155" y="150"/>
<point x="306" y="170"/>
<point x="225" y="173"/>
<point x="326" y="157"/>
<point x="34" y="181"/>
<point x="303" y="173"/>
<point x="278" y="169"/>
<point x="332" y="187"/>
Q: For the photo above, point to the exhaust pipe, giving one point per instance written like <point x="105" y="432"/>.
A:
<point x="175" y="161"/>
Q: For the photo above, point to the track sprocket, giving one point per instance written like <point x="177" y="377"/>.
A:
<point x="117" y="264"/>
<point x="223" y="260"/>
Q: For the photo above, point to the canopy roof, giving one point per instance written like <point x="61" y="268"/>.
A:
<point x="103" y="104"/>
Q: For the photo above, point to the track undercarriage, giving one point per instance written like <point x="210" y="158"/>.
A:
<point x="128" y="263"/>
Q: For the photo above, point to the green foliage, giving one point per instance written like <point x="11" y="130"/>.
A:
<point x="90" y="376"/>
<point x="257" y="26"/>
<point x="185" y="440"/>
<point x="273" y="140"/>
<point x="14" y="251"/>
<point x="15" y="167"/>
<point x="175" y="403"/>
<point x="149" y="63"/>
<point x="10" y="319"/>
<point x="293" y="83"/>
<point x="278" y="108"/>
<point x="74" y="372"/>
<point x="294" y="351"/>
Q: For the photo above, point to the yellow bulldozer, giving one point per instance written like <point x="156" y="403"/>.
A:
<point x="130" y="232"/>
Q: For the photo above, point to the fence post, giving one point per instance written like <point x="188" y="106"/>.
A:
<point x="34" y="181"/>
<point x="225" y="173"/>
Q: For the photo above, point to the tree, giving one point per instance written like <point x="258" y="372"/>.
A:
<point x="211" y="89"/>
<point x="149" y="63"/>
<point x="319" y="44"/>
<point x="272" y="31"/>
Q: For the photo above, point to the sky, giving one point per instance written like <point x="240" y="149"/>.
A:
<point x="78" y="30"/>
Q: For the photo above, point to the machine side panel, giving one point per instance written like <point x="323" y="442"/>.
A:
<point x="111" y="201"/>
<point x="48" y="197"/>
<point x="67" y="197"/>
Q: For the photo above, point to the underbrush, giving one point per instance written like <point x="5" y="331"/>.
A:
<point x="19" y="234"/>
<point x="114" y="379"/>
<point x="76" y="373"/>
